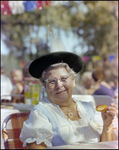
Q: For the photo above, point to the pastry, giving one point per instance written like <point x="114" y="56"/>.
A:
<point x="101" y="108"/>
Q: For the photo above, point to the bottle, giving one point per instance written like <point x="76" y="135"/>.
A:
<point x="27" y="93"/>
<point x="35" y="94"/>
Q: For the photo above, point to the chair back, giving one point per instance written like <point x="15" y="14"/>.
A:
<point x="96" y="99"/>
<point x="11" y="129"/>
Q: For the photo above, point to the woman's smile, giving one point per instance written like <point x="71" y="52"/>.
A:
<point x="61" y="92"/>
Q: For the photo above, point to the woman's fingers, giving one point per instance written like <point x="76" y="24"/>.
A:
<point x="113" y="105"/>
<point x="111" y="111"/>
<point x="110" y="114"/>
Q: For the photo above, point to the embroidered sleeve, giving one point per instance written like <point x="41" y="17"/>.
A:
<point x="37" y="129"/>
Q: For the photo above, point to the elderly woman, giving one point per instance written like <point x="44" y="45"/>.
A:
<point x="59" y="119"/>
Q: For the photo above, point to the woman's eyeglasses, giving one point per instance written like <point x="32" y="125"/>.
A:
<point x="52" y="82"/>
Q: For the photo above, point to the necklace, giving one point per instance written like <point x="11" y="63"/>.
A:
<point x="70" y="115"/>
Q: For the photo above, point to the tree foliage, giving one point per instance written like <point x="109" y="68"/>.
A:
<point x="97" y="26"/>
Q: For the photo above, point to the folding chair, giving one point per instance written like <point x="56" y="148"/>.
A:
<point x="11" y="128"/>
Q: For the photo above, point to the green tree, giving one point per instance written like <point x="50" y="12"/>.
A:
<point x="97" y="27"/>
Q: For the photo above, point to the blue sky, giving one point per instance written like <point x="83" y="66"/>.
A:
<point x="4" y="49"/>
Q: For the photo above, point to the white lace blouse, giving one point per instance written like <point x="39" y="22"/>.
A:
<point x="47" y="123"/>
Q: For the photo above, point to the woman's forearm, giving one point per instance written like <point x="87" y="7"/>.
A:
<point x="108" y="134"/>
<point x="35" y="146"/>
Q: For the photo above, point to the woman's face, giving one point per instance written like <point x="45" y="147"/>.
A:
<point x="60" y="93"/>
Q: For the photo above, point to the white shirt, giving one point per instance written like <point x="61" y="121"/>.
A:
<point x="6" y="87"/>
<point x="47" y="123"/>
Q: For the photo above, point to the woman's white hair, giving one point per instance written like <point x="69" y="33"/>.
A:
<point x="65" y="65"/>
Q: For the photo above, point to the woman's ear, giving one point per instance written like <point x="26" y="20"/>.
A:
<point x="74" y="82"/>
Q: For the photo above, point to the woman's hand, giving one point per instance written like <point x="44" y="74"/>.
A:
<point x="35" y="146"/>
<point x="109" y="115"/>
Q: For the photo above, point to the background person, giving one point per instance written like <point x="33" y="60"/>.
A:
<point x="17" y="81"/>
<point x="87" y="82"/>
<point x="6" y="87"/>
<point x="101" y="86"/>
<point x="59" y="119"/>
<point x="78" y="88"/>
<point x="86" y="85"/>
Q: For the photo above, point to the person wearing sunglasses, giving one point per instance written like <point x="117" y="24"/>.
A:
<point x="59" y="119"/>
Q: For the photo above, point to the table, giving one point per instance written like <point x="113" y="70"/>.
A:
<point x="23" y="107"/>
<point x="19" y="106"/>
<point x="99" y="145"/>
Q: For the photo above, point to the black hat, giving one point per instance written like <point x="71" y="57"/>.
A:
<point x="43" y="62"/>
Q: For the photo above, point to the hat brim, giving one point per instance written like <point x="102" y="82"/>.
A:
<point x="43" y="62"/>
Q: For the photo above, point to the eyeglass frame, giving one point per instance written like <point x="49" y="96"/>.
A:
<point x="65" y="76"/>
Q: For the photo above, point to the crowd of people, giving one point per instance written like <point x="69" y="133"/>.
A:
<point x="89" y="83"/>
<point x="94" y="83"/>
